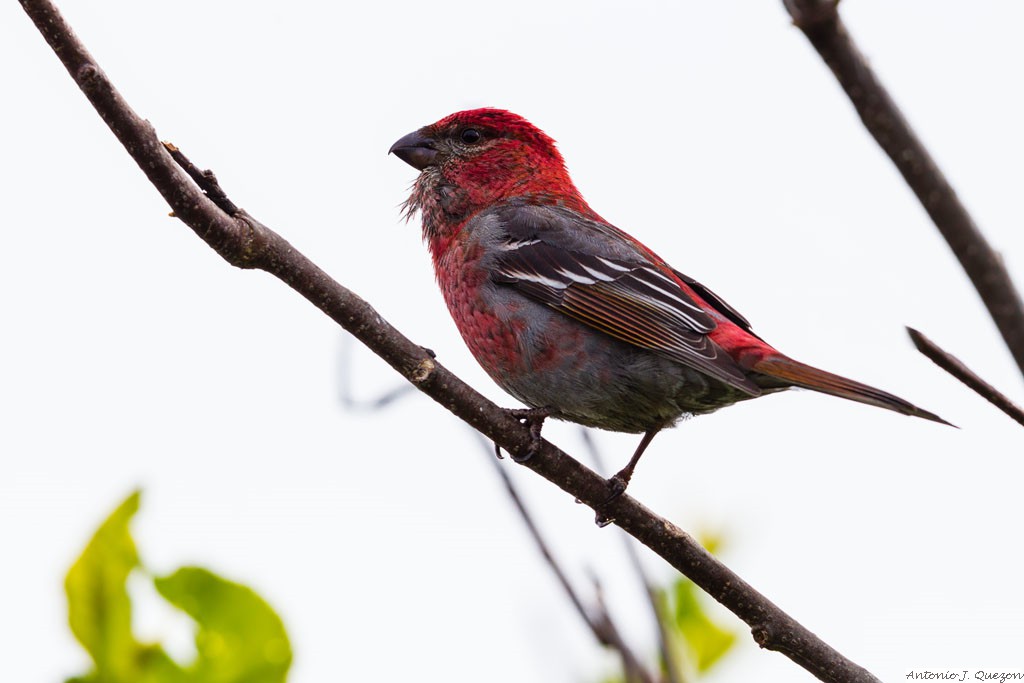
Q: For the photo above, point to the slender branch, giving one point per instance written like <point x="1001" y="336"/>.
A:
<point x="672" y="671"/>
<point x="821" y="23"/>
<point x="600" y="624"/>
<point x="955" y="367"/>
<point x="345" y="393"/>
<point x="246" y="243"/>
<point x="604" y="623"/>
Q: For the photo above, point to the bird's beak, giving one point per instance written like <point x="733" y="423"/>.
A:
<point x="415" y="149"/>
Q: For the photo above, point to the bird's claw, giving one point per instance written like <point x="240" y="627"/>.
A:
<point x="534" y="419"/>
<point x="616" y="487"/>
<point x="530" y="416"/>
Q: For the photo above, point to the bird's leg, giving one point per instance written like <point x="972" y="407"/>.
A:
<point x="620" y="481"/>
<point x="534" y="419"/>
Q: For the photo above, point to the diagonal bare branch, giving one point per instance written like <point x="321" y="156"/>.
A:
<point x="672" y="671"/>
<point x="955" y="367"/>
<point x="821" y="23"/>
<point x="599" y="621"/>
<point x="246" y="243"/>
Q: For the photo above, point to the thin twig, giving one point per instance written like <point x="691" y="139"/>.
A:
<point x="955" y="367"/>
<point x="345" y="385"/>
<point x="604" y="623"/>
<point x="206" y="180"/>
<point x="650" y="590"/>
<point x="821" y="23"/>
<point x="601" y="625"/>
<point x="599" y="621"/>
<point x="246" y="243"/>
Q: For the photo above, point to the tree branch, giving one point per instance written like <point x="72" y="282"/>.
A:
<point x="955" y="367"/>
<point x="600" y="622"/>
<point x="668" y="658"/>
<point x="820" y="22"/>
<point x="246" y="243"/>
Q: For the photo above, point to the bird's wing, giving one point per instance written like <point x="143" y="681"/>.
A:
<point x="593" y="274"/>
<point x="717" y="302"/>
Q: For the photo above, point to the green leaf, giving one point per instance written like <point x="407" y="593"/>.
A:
<point x="100" y="612"/>
<point x="707" y="641"/>
<point x="240" y="639"/>
<point x="695" y="641"/>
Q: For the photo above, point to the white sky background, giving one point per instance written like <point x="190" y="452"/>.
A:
<point x="132" y="356"/>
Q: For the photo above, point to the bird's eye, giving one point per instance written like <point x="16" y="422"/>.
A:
<point x="470" y="135"/>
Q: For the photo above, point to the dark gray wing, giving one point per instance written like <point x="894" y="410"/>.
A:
<point x="595" y="274"/>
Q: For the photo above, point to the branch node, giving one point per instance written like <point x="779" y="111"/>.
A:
<point x="242" y="251"/>
<point x="89" y="77"/>
<point x="766" y="635"/>
<point x="423" y="371"/>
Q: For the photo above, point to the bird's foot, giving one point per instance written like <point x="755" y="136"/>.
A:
<point x="534" y="419"/>
<point x="617" y="484"/>
<point x="616" y="487"/>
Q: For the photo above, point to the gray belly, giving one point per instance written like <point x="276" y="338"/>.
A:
<point x="595" y="380"/>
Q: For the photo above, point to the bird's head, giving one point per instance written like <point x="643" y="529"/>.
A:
<point x="474" y="159"/>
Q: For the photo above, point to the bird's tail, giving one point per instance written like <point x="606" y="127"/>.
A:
<point x="797" y="374"/>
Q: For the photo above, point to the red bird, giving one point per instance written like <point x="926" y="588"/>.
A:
<point x="566" y="312"/>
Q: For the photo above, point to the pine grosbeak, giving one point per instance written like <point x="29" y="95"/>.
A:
<point x="568" y="313"/>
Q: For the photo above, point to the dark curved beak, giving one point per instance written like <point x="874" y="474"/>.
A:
<point x="415" y="149"/>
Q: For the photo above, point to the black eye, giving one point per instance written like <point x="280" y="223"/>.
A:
<point x="470" y="135"/>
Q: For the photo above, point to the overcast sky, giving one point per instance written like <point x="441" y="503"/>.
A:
<point x="132" y="356"/>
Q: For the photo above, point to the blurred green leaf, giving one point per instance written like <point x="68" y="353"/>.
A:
<point x="240" y="637"/>
<point x="99" y="609"/>
<point x="695" y="643"/>
<point x="239" y="640"/>
<point x="696" y="639"/>
<point x="706" y="641"/>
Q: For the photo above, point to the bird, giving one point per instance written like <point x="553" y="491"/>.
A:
<point x="571" y="315"/>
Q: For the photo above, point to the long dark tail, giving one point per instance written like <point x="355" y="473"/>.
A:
<point x="798" y="374"/>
